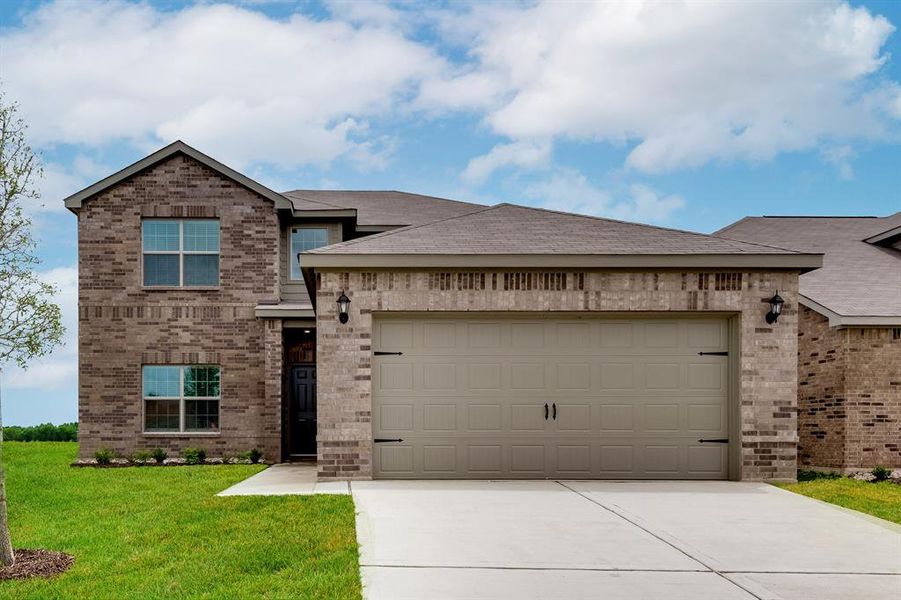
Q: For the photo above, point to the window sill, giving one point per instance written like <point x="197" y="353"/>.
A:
<point x="181" y="433"/>
<point x="175" y="288"/>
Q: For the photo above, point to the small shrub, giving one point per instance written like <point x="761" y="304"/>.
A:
<point x="159" y="455"/>
<point x="193" y="456"/>
<point x="881" y="473"/>
<point x="255" y="455"/>
<point x="141" y="457"/>
<point x="103" y="456"/>
<point x="814" y="475"/>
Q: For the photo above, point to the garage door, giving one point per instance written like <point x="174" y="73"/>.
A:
<point x="477" y="398"/>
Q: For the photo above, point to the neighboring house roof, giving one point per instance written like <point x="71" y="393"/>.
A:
<point x="860" y="282"/>
<point x="76" y="200"/>
<point x="511" y="235"/>
<point x="381" y="208"/>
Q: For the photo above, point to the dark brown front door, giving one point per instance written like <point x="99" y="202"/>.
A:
<point x="302" y="412"/>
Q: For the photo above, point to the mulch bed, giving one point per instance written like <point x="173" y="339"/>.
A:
<point x="37" y="563"/>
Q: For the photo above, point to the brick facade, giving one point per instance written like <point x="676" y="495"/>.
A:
<point x="849" y="395"/>
<point x="767" y="367"/>
<point x="123" y="326"/>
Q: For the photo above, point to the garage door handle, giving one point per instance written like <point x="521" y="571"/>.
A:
<point x="383" y="440"/>
<point x="545" y="411"/>
<point x="555" y="411"/>
<point x="715" y="441"/>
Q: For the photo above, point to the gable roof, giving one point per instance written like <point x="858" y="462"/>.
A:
<point x="860" y="281"/>
<point x="386" y="208"/>
<point x="512" y="235"/>
<point x="76" y="200"/>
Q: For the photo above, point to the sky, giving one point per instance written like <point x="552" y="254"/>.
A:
<point x="682" y="114"/>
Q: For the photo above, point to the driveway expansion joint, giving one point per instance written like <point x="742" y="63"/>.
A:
<point x="665" y="541"/>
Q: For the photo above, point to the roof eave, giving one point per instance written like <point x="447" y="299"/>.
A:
<point x="885" y="238"/>
<point x="801" y="262"/>
<point x="838" y="320"/>
<point x="76" y="200"/>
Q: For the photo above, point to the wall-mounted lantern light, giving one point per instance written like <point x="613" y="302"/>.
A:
<point x="776" y="303"/>
<point x="343" y="304"/>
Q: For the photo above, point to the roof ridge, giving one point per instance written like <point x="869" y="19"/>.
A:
<point x="383" y="234"/>
<point x="634" y="224"/>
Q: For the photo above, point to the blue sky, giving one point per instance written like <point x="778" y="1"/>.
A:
<point x="685" y="115"/>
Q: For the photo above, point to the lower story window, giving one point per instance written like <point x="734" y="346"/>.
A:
<point x="181" y="399"/>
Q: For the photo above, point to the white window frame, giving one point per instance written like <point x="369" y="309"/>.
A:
<point x="181" y="402"/>
<point x="292" y="255"/>
<point x="181" y="252"/>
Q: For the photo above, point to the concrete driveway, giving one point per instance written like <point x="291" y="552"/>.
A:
<point x="632" y="540"/>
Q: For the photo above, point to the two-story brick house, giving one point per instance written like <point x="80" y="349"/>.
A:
<point x="402" y="336"/>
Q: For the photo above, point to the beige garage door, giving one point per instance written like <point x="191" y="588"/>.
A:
<point x="573" y="398"/>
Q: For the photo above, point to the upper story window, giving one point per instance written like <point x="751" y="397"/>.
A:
<point x="303" y="239"/>
<point x="181" y="399"/>
<point x="180" y="252"/>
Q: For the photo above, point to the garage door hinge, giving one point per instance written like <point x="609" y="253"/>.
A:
<point x="713" y="354"/>
<point x="384" y="440"/>
<point x="715" y="441"/>
<point x="380" y="353"/>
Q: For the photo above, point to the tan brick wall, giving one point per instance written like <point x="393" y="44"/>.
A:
<point x="122" y="326"/>
<point x="821" y="391"/>
<point x="849" y="395"/>
<point x="873" y="393"/>
<point x="768" y="361"/>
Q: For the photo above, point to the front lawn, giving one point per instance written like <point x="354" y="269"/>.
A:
<point x="162" y="533"/>
<point x="881" y="500"/>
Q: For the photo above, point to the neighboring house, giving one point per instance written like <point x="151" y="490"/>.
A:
<point x="479" y="342"/>
<point x="849" y="345"/>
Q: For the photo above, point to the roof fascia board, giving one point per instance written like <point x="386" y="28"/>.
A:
<point x="76" y="200"/>
<point x="800" y="261"/>
<point x="886" y="237"/>
<point x="274" y="311"/>
<point x="349" y="213"/>
<point x="377" y="228"/>
<point x="837" y="320"/>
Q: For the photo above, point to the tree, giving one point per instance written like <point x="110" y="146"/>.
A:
<point x="30" y="323"/>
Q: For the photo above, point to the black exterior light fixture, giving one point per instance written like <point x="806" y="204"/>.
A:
<point x="343" y="304"/>
<point x="776" y="303"/>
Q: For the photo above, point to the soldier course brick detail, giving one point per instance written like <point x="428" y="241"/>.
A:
<point x="767" y="365"/>
<point x="849" y="395"/>
<point x="123" y="325"/>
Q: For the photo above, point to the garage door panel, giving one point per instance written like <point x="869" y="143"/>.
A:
<point x="439" y="417"/>
<point x="528" y="459"/>
<point x="633" y="397"/>
<point x="573" y="417"/>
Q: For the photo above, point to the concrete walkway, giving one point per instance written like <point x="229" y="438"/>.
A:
<point x="638" y="540"/>
<point x="286" y="479"/>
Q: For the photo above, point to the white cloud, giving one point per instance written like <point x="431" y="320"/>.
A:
<point x="236" y="83"/>
<point x="58" y="370"/>
<point x="840" y="157"/>
<point x="525" y="154"/>
<point x="570" y="191"/>
<point x="63" y="180"/>
<point x="686" y="82"/>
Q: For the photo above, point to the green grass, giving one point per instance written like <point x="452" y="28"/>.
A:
<point x="881" y="500"/>
<point x="148" y="532"/>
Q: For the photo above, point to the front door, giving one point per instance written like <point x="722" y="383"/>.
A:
<point x="302" y="414"/>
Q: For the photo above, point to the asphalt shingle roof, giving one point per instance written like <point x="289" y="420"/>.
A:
<point x="513" y="229"/>
<point x="384" y="208"/>
<point x="857" y="278"/>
